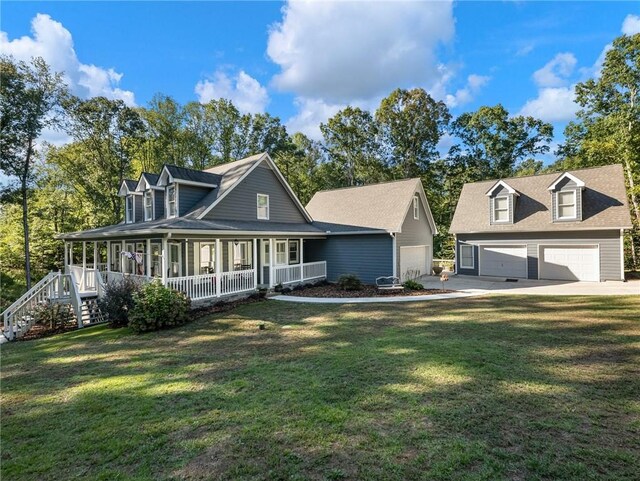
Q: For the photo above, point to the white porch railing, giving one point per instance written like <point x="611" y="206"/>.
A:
<point x="196" y="287"/>
<point x="237" y="281"/>
<point x="310" y="270"/>
<point x="85" y="279"/>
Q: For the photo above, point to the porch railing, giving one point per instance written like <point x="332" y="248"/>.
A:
<point x="195" y="287"/>
<point x="300" y="272"/>
<point x="109" y="277"/>
<point x="287" y="274"/>
<point x="237" y="281"/>
<point x="314" y="270"/>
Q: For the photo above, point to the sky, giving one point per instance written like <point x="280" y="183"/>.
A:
<point x="302" y="61"/>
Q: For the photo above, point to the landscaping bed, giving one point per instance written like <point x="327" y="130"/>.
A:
<point x="333" y="290"/>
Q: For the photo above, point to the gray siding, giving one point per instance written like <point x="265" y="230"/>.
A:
<point x="188" y="196"/>
<point x="368" y="256"/>
<point x="159" y="204"/>
<point x="609" y="242"/>
<point x="241" y="202"/>
<point x="466" y="272"/>
<point x="414" y="233"/>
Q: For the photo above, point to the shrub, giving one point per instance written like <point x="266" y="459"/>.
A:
<point x="52" y="315"/>
<point x="412" y="285"/>
<point x="437" y="270"/>
<point x="117" y="301"/>
<point x="349" y="282"/>
<point x="156" y="307"/>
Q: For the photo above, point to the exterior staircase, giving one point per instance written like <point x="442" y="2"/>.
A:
<point x="55" y="287"/>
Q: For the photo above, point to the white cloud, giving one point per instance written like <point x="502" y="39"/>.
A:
<point x="311" y="113"/>
<point x="553" y="104"/>
<point x="340" y="51"/>
<point x="54" y="43"/>
<point x="631" y="25"/>
<point x="466" y="94"/>
<point x="556" y="71"/>
<point x="244" y="91"/>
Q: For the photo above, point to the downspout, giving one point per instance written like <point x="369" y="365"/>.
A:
<point x="394" y="244"/>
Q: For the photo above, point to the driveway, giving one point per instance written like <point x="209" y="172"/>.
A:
<point x="524" y="286"/>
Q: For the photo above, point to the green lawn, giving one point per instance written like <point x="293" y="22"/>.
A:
<point x="479" y="388"/>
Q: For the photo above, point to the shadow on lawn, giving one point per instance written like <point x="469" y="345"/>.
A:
<point x="437" y="390"/>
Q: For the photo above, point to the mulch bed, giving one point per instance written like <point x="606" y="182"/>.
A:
<point x="38" y="331"/>
<point x="366" y="291"/>
<point x="223" y="306"/>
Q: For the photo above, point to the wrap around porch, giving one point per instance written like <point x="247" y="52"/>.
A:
<point x="202" y="268"/>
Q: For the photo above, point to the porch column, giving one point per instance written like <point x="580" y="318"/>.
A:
<point x="301" y="260"/>
<point x="272" y="261"/>
<point x="95" y="255"/>
<point x="66" y="256"/>
<point x="121" y="263"/>
<point x="165" y="264"/>
<point x="186" y="257"/>
<point x="218" y="262"/>
<point x="71" y="253"/>
<point x="255" y="262"/>
<point x="108" y="256"/>
<point x="148" y="258"/>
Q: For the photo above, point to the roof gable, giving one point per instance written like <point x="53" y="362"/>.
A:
<point x="127" y="187"/>
<point x="504" y="185"/>
<point x="182" y="175"/>
<point x="569" y="176"/>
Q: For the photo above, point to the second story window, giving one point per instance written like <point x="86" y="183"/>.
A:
<point x="416" y="209"/>
<point x="148" y="205"/>
<point x="172" y="209"/>
<point x="263" y="206"/>
<point x="567" y="205"/>
<point x="501" y="209"/>
<point x="129" y="209"/>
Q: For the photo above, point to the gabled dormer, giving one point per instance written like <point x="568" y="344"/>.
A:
<point x="132" y="201"/>
<point x="184" y="188"/>
<point x="152" y="196"/>
<point x="566" y="198"/>
<point x="502" y="203"/>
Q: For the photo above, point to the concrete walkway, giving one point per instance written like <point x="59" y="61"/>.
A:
<point x="385" y="299"/>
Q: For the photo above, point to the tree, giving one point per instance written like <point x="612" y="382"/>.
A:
<point x="30" y="95"/>
<point x="608" y="127"/>
<point x="494" y="143"/>
<point x="411" y="124"/>
<point x="165" y="137"/>
<point x="351" y="141"/>
<point x="299" y="164"/>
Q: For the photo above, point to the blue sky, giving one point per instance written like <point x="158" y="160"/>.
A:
<point x="302" y="61"/>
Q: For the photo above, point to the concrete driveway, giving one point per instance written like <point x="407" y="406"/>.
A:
<point x="497" y="285"/>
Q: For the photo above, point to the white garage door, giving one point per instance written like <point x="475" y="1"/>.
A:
<point x="571" y="263"/>
<point x="414" y="261"/>
<point x="503" y="261"/>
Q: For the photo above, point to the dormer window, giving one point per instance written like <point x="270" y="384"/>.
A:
<point x="129" y="209"/>
<point x="416" y="208"/>
<point x="263" y="207"/>
<point x="172" y="205"/>
<point x="148" y="205"/>
<point x="567" y="205"/>
<point x="501" y="209"/>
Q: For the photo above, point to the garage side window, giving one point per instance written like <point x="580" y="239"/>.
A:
<point x="567" y="204"/>
<point x="501" y="209"/>
<point x="466" y="256"/>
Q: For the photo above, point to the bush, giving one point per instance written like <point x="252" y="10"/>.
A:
<point x="349" y="282"/>
<point x="157" y="307"/>
<point x="413" y="285"/>
<point x="52" y="315"/>
<point x="117" y="301"/>
<point x="437" y="270"/>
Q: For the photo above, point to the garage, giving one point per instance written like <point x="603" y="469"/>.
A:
<point x="503" y="261"/>
<point x="570" y="263"/>
<point x="414" y="261"/>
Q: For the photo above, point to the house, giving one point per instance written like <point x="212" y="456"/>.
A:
<point x="566" y="226"/>
<point x="237" y="227"/>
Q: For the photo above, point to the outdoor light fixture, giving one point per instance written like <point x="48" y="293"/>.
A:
<point x="235" y="242"/>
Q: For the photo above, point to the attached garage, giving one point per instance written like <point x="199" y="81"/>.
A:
<point x="571" y="263"/>
<point x="414" y="261"/>
<point x="504" y="261"/>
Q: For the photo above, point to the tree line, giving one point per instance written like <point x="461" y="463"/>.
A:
<point x="74" y="186"/>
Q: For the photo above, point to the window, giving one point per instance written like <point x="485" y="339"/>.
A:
<point x="148" y="205"/>
<point x="242" y="254"/>
<point x="156" y="260"/>
<point x="294" y="252"/>
<point x="171" y="201"/>
<point x="466" y="256"/>
<point x="501" y="209"/>
<point x="567" y="205"/>
<point x="129" y="212"/>
<point x="416" y="209"/>
<point x="281" y="252"/>
<point x="175" y="260"/>
<point x="263" y="206"/>
<point x="207" y="258"/>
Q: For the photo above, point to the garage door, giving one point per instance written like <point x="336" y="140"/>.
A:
<point x="570" y="263"/>
<point x="503" y="261"/>
<point x="414" y="261"/>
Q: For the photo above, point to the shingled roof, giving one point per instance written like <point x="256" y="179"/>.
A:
<point x="604" y="204"/>
<point x="378" y="206"/>
<point x="192" y="175"/>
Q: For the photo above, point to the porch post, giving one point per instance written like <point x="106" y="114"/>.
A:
<point x="95" y="255"/>
<point x="254" y="260"/>
<point x="218" y="263"/>
<point x="120" y="260"/>
<point x="71" y="253"/>
<point x="186" y="257"/>
<point x="66" y="255"/>
<point x="108" y="256"/>
<point x="301" y="259"/>
<point x="272" y="261"/>
<point x="148" y="258"/>
<point x="165" y="265"/>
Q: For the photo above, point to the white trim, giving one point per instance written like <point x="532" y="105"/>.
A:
<point x="394" y="243"/>
<point x="473" y="257"/>
<point x="573" y="228"/>
<point x="622" y="254"/>
<point x="502" y="183"/>
<point x="575" y="204"/>
<point x="153" y="205"/>
<point x="501" y="244"/>
<point x="126" y="209"/>
<point x="286" y="252"/>
<point x="258" y="207"/>
<point x="289" y="243"/>
<point x="166" y="201"/>
<point x="416" y="208"/>
<point x="555" y="244"/>
<point x="578" y="182"/>
<point x="493" y="210"/>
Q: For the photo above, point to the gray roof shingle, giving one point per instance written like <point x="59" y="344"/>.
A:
<point x="604" y="203"/>
<point x="193" y="175"/>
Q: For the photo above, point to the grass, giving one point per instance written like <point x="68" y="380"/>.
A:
<point x="479" y="388"/>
